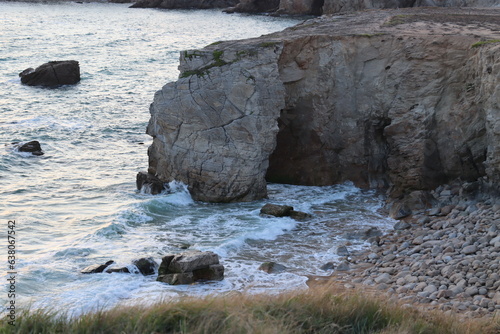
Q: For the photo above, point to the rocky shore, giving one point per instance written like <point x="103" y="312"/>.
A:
<point x="445" y="256"/>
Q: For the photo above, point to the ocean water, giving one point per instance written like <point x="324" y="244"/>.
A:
<point x="77" y="204"/>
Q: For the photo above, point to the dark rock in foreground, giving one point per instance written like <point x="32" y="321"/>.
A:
<point x="149" y="183"/>
<point x="190" y="267"/>
<point x="52" y="74"/>
<point x="146" y="266"/>
<point x="97" y="268"/>
<point x="32" y="147"/>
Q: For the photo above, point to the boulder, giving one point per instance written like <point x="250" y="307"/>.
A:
<point x="190" y="267"/>
<point x="96" y="268"/>
<point x="149" y="183"/>
<point x="52" y="74"/>
<point x="118" y="270"/>
<point x="146" y="266"/>
<point x="276" y="210"/>
<point x="272" y="267"/>
<point x="33" y="147"/>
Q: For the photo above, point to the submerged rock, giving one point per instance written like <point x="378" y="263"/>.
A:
<point x="190" y="267"/>
<point x="272" y="267"/>
<point x="96" y="268"/>
<point x="32" y="147"/>
<point x="52" y="74"/>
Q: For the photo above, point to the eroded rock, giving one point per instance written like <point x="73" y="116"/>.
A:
<point x="190" y="267"/>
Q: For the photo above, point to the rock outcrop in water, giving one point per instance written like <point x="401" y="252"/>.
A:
<point x="406" y="99"/>
<point x="190" y="267"/>
<point x="52" y="74"/>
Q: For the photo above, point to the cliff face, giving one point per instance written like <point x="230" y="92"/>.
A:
<point x="402" y="99"/>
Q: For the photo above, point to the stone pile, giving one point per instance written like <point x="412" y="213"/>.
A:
<point x="447" y="257"/>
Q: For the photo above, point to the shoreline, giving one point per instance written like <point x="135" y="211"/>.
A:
<point x="445" y="257"/>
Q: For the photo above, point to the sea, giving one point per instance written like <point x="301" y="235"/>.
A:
<point x="78" y="205"/>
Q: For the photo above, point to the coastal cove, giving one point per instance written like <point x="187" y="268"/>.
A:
<point x="77" y="204"/>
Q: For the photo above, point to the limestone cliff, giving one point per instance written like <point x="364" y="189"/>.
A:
<point x="404" y="98"/>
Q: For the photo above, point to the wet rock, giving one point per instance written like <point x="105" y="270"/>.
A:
<point x="149" y="183"/>
<point x="399" y="210"/>
<point x="344" y="266"/>
<point x="52" y="74"/>
<point x="402" y="225"/>
<point x="327" y="266"/>
<point x="342" y="251"/>
<point x="299" y="215"/>
<point x="118" y="270"/>
<point x="146" y="266"/>
<point x="96" y="268"/>
<point x="276" y="210"/>
<point x="272" y="267"/>
<point x="32" y="147"/>
<point x="190" y="267"/>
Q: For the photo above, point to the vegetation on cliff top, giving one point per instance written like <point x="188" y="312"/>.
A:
<point x="318" y="310"/>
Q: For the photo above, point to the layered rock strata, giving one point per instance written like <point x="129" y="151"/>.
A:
<point x="407" y="99"/>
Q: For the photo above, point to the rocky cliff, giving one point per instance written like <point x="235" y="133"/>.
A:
<point x="406" y="99"/>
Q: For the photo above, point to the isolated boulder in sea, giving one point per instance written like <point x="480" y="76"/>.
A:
<point x="190" y="267"/>
<point x="146" y="266"/>
<point x="149" y="183"/>
<point x="276" y="210"/>
<point x="52" y="74"/>
<point x="96" y="268"/>
<point x="32" y="147"/>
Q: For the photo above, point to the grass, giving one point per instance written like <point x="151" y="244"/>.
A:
<point x="318" y="310"/>
<point x="491" y="41"/>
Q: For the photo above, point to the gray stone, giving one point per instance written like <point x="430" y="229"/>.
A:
<point x="383" y="278"/>
<point x="342" y="251"/>
<point x="191" y="261"/>
<point x="469" y="250"/>
<point x="190" y="267"/>
<point x="471" y="291"/>
<point x="401" y="225"/>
